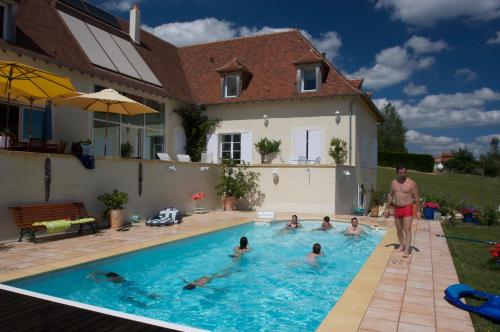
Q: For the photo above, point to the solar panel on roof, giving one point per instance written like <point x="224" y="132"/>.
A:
<point x="87" y="41"/>
<point x="94" y="11"/>
<point x="108" y="50"/>
<point x="78" y="4"/>
<point x="102" y="15"/>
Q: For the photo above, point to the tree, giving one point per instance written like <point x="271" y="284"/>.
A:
<point x="463" y="161"/>
<point x="196" y="127"/>
<point x="494" y="145"/>
<point x="392" y="132"/>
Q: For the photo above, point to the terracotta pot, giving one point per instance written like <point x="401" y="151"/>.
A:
<point x="374" y="211"/>
<point x="116" y="218"/>
<point x="229" y="203"/>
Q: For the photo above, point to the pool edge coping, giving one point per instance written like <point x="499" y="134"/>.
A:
<point x="348" y="312"/>
<point x="88" y="258"/>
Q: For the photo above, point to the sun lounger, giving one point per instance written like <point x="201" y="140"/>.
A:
<point x="164" y="156"/>
<point x="52" y="217"/>
<point x="184" y="158"/>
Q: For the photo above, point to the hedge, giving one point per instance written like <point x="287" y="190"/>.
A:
<point x="418" y="162"/>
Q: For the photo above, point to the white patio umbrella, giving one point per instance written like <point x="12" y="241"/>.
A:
<point x="107" y="101"/>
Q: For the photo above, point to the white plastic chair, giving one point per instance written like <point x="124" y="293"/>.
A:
<point x="184" y="158"/>
<point x="163" y="156"/>
<point x="302" y="160"/>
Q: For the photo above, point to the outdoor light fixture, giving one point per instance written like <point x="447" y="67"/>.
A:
<point x="346" y="173"/>
<point x="275" y="172"/>
<point x="337" y="116"/>
<point x="172" y="168"/>
<point x="204" y="168"/>
<point x="266" y="120"/>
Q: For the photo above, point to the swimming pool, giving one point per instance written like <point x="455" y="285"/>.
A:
<point x="271" y="288"/>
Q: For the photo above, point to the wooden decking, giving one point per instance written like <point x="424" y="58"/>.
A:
<point x="21" y="312"/>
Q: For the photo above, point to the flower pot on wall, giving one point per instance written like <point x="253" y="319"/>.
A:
<point x="116" y="218"/>
<point x="229" y="203"/>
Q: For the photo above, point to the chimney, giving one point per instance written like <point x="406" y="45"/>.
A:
<point x="135" y="24"/>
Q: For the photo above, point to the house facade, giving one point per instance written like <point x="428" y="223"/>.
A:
<point x="276" y="86"/>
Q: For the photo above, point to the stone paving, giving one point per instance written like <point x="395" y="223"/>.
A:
<point x="409" y="295"/>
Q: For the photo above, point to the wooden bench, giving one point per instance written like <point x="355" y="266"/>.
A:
<point x="26" y="216"/>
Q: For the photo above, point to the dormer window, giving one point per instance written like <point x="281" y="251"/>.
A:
<point x="309" y="79"/>
<point x="231" y="86"/>
<point x="312" y="70"/>
<point x="234" y="77"/>
<point x="3" y="20"/>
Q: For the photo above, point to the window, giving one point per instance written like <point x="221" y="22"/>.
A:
<point x="145" y="132"/>
<point x="231" y="88"/>
<point x="231" y="147"/>
<point x="308" y="79"/>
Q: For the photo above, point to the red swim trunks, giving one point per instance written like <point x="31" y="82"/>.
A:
<point x="403" y="211"/>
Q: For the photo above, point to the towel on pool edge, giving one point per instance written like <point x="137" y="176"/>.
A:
<point x="54" y="226"/>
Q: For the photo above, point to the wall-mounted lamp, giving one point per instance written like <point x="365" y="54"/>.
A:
<point x="172" y="168"/>
<point x="266" y="120"/>
<point x="337" y="116"/>
<point x="346" y="173"/>
<point x="275" y="171"/>
<point x="204" y="168"/>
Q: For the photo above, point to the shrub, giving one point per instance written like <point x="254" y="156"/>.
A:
<point x="377" y="197"/>
<point x="338" y="150"/>
<point x="418" y="162"/>
<point x="126" y="150"/>
<point x="114" y="200"/>
<point x="489" y="217"/>
<point x="236" y="181"/>
<point x="267" y="148"/>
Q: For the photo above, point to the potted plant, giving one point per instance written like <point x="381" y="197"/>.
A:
<point x="267" y="149"/>
<point x="429" y="209"/>
<point x="338" y="150"/>
<point x="126" y="150"/>
<point x="377" y="198"/>
<point x="114" y="203"/>
<point x="235" y="183"/>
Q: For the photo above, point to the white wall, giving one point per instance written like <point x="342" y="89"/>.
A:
<point x="283" y="117"/>
<point x="22" y="179"/>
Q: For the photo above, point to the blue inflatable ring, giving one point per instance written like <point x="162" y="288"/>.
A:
<point x="489" y="309"/>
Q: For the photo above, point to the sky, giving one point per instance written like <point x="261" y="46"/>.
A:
<point x="437" y="61"/>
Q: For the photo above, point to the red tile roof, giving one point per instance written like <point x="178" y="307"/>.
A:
<point x="311" y="56"/>
<point x="232" y="66"/>
<point x="270" y="58"/>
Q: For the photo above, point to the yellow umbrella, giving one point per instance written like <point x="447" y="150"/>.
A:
<point x="107" y="101"/>
<point x="15" y="76"/>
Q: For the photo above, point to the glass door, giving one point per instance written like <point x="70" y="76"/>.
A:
<point x="131" y="139"/>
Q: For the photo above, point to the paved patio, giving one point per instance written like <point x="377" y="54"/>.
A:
<point x="399" y="294"/>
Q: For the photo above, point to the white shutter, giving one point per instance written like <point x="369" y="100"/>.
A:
<point x="246" y="147"/>
<point x="374" y="154"/>
<point x="363" y="155"/>
<point x="315" y="144"/>
<point x="212" y="147"/>
<point x="299" y="144"/>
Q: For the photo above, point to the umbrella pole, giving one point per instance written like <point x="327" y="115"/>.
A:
<point x="31" y="119"/>
<point x="7" y="119"/>
<point x="106" y="131"/>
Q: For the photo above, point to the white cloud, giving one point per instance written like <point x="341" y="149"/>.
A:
<point x="448" y="110"/>
<point x="212" y="29"/>
<point x="415" y="90"/>
<point x="119" y="5"/>
<point x="486" y="139"/>
<point x="424" y="13"/>
<point x="465" y="75"/>
<point x="423" y="45"/>
<point x="494" y="40"/>
<point x="392" y="65"/>
<point x="436" y="144"/>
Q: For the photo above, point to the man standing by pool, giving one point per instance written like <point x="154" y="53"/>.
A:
<point x="402" y="195"/>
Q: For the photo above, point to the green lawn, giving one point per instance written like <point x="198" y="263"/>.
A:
<point x="469" y="189"/>
<point x="474" y="265"/>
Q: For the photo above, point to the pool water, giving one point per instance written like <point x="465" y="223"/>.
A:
<point x="271" y="288"/>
